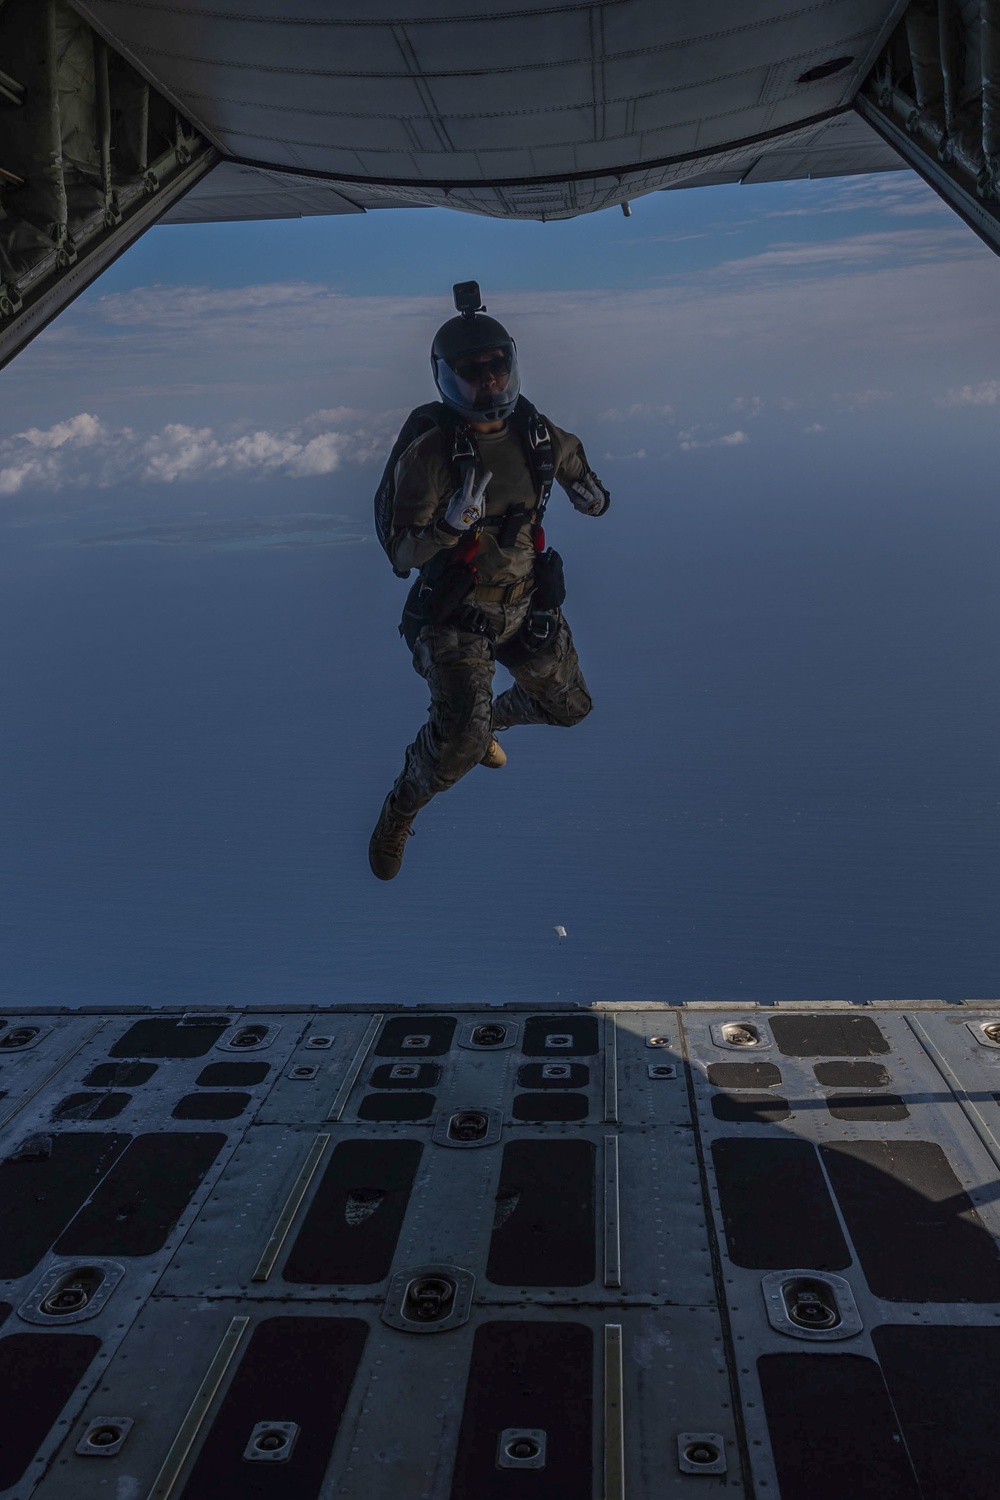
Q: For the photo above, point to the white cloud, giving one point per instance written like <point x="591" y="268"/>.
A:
<point x="987" y="393"/>
<point x="660" y="239"/>
<point x="899" y="245"/>
<point x="174" y="306"/>
<point x="899" y="194"/>
<point x="640" y="361"/>
<point x="750" y="406"/>
<point x="181" y="452"/>
<point x="43" y="458"/>
<point x="814" y="427"/>
<point x="321" y="455"/>
<point x="619" y="458"/>
<point x="932" y="205"/>
<point x="728" y="440"/>
<point x="16" y="477"/>
<point x="83" y="451"/>
<point x="83" y="430"/>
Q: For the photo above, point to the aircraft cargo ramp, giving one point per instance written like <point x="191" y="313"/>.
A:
<point x="570" y="1253"/>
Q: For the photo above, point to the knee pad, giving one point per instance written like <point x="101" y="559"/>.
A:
<point x="576" y="708"/>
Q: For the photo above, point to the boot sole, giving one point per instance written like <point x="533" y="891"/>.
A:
<point x="382" y="866"/>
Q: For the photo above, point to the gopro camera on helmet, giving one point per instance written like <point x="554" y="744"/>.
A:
<point x="468" y="298"/>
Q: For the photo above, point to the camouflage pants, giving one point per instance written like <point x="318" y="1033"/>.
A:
<point x="458" y="666"/>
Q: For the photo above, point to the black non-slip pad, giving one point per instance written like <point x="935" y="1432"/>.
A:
<point x="398" y="1107"/>
<point x="43" y="1183"/>
<point x="138" y="1203"/>
<point x="294" y="1370"/>
<point x="917" y="1234"/>
<point x="945" y="1386"/>
<point x="544" y="1222"/>
<point x="851" y="1075"/>
<point x="349" y="1235"/>
<point x="210" y="1106"/>
<point x="438" y="1030"/>
<point x="548" y="1107"/>
<point x="867" y="1107"/>
<point x="833" y="1431"/>
<point x="166" y="1039"/>
<point x="528" y="1375"/>
<point x="90" y="1106"/>
<point x="750" y="1109"/>
<point x="38" y="1374"/>
<point x="582" y="1030"/>
<point x="119" y="1075"/>
<point x="776" y="1208"/>
<point x="227" y="1075"/>
<point x="746" y="1075"/>
<point x="828" y="1036"/>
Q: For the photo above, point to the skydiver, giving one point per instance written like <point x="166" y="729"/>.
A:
<point x="462" y="500"/>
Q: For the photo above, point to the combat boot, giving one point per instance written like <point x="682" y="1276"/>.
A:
<point x="495" y="756"/>
<point x="388" y="843"/>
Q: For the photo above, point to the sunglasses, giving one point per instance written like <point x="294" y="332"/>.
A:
<point x="472" y="371"/>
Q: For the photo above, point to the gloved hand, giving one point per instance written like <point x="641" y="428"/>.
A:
<point x="466" y="506"/>
<point x="589" y="495"/>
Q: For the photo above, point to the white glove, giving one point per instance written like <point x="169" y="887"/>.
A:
<point x="589" y="495"/>
<point x="466" y="506"/>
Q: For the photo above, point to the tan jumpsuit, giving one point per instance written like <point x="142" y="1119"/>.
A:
<point x="457" y="663"/>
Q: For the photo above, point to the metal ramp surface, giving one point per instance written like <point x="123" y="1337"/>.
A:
<point x="573" y="1254"/>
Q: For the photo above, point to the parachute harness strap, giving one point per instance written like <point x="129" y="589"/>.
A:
<point x="541" y="457"/>
<point x="537" y="439"/>
<point x="464" y="453"/>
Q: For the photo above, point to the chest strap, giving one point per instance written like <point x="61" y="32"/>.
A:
<point x="510" y="525"/>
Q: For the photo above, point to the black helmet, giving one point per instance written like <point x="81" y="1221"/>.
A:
<point x="474" y="334"/>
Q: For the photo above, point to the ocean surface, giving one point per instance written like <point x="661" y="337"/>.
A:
<point x="788" y="788"/>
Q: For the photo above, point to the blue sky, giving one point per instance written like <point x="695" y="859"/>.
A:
<point x="787" y="620"/>
<point x="414" y="252"/>
<point x="713" y="318"/>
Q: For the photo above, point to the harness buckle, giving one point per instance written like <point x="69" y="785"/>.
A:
<point x="540" y="441"/>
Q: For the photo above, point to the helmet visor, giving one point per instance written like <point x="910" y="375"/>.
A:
<point x="481" y="381"/>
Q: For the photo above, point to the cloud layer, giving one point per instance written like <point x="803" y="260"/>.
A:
<point x="839" y="333"/>
<point x="84" y="451"/>
<point x="689" y="442"/>
<point x="987" y="393"/>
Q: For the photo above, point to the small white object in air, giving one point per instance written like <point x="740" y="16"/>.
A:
<point x="560" y="932"/>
